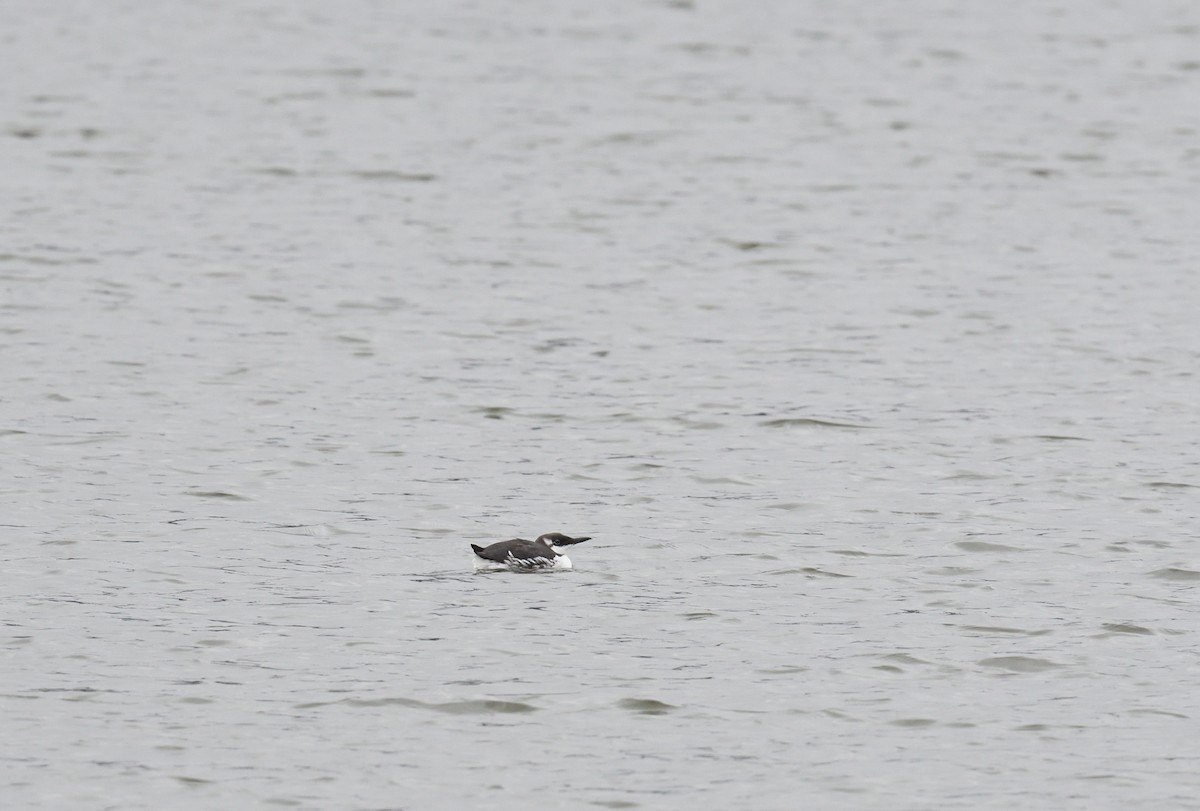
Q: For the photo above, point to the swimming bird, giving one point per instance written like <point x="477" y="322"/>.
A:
<point x="520" y="555"/>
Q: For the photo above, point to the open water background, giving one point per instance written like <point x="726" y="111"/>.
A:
<point x="862" y="336"/>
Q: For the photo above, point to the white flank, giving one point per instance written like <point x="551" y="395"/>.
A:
<point x="485" y="565"/>
<point x="514" y="564"/>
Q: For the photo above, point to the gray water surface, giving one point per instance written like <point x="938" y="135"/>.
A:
<point x="861" y="336"/>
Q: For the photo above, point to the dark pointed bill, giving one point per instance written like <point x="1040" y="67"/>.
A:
<point x="558" y="539"/>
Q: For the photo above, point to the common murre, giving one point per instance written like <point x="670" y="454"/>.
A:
<point x="520" y="555"/>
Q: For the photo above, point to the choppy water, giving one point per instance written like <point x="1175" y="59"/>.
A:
<point x="861" y="336"/>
